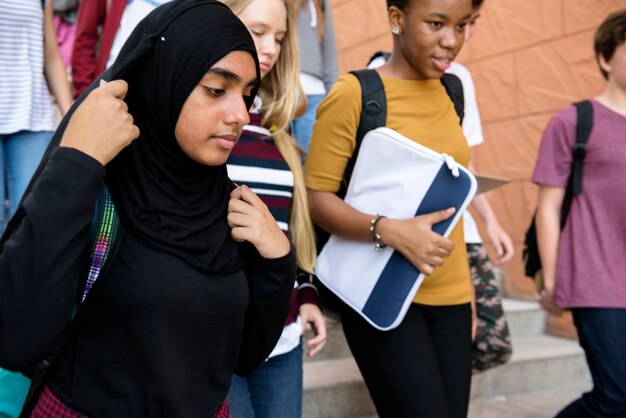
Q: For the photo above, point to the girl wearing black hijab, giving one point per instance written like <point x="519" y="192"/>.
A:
<point x="200" y="281"/>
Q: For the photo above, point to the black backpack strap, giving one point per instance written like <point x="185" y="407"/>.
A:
<point x="454" y="88"/>
<point x="373" y="112"/>
<point x="584" y="125"/>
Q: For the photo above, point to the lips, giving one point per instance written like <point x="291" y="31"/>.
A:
<point x="226" y="141"/>
<point x="442" y="63"/>
<point x="264" y="66"/>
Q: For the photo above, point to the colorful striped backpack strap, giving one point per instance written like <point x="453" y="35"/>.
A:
<point x="103" y="240"/>
<point x="103" y="234"/>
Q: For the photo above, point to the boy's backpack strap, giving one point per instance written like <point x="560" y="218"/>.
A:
<point x="584" y="125"/>
<point x="373" y="112"/>
<point x="454" y="88"/>
<point x="103" y="241"/>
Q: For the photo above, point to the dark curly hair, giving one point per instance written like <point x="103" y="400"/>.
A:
<point x="402" y="4"/>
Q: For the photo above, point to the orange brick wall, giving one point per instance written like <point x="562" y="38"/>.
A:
<point x="528" y="59"/>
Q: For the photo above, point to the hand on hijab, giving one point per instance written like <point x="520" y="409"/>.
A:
<point x="101" y="127"/>
<point x="251" y="221"/>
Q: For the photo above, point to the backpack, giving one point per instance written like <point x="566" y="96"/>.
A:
<point x="584" y="125"/>
<point x="103" y="240"/>
<point x="373" y="115"/>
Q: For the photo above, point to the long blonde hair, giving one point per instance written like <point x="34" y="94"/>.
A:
<point x="283" y="98"/>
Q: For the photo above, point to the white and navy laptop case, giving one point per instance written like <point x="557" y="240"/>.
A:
<point x="401" y="179"/>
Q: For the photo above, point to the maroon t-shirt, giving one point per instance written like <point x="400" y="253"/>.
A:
<point x="591" y="267"/>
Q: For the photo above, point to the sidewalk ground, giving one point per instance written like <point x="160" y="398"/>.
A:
<point x="541" y="404"/>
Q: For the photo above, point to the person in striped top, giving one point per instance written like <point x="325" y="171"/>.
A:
<point x="268" y="160"/>
<point x="30" y="68"/>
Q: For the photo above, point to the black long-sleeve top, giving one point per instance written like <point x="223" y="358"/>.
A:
<point x="159" y="339"/>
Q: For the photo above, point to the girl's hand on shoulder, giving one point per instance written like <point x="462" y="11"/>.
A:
<point x="415" y="239"/>
<point x="250" y="220"/>
<point x="311" y="314"/>
<point x="101" y="126"/>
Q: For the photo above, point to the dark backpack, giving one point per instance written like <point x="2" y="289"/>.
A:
<point x="374" y="115"/>
<point x="584" y="125"/>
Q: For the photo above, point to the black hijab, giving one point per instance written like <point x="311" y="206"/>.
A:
<point x="164" y="198"/>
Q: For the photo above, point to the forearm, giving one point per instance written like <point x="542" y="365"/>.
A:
<point x="58" y="84"/>
<point x="413" y="237"/>
<point x="548" y="224"/>
<point x="481" y="204"/>
<point x="54" y="68"/>
<point x="337" y="217"/>
<point x="307" y="292"/>
<point x="271" y="284"/>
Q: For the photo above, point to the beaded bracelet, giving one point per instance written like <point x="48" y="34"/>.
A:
<point x="376" y="238"/>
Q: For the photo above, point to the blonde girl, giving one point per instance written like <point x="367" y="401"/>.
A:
<point x="269" y="161"/>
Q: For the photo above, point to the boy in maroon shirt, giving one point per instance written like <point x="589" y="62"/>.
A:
<point x="584" y="264"/>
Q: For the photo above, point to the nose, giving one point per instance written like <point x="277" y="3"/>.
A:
<point x="238" y="112"/>
<point x="452" y="39"/>
<point x="268" y="46"/>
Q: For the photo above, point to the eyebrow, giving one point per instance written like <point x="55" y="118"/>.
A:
<point x="229" y="75"/>
<point x="446" y="17"/>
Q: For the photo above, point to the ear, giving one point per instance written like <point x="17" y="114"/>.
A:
<point x="604" y="64"/>
<point x="396" y="18"/>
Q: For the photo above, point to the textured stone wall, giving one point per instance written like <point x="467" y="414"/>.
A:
<point x="528" y="59"/>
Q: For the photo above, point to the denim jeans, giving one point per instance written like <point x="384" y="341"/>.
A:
<point x="602" y="334"/>
<point x="273" y="390"/>
<point x="20" y="154"/>
<point x="303" y="126"/>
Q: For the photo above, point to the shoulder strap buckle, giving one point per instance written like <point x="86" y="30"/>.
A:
<point x="579" y="150"/>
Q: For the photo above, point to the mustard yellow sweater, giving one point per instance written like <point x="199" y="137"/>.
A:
<point x="418" y="109"/>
